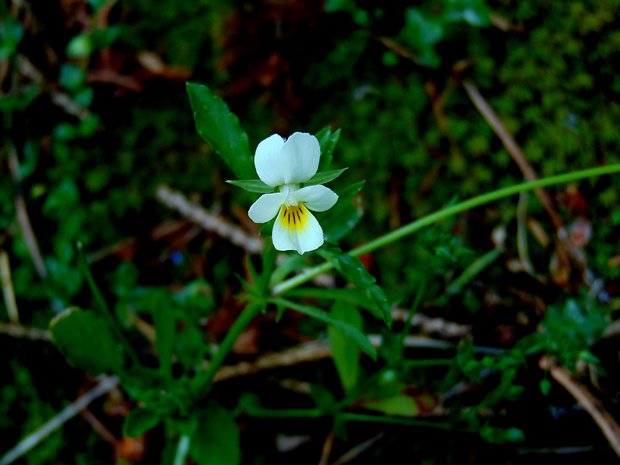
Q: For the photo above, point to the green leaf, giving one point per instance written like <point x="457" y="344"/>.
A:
<point x="217" y="125"/>
<point x="139" y="421"/>
<point x="327" y="140"/>
<point x="398" y="405"/>
<point x="345" y="353"/>
<point x="353" y="270"/>
<point x="325" y="176"/>
<point x="352" y="296"/>
<point x="165" y="330"/>
<point x="11" y="33"/>
<point x="358" y="337"/>
<point x="80" y="46"/>
<point x="252" y="185"/>
<point x="216" y="439"/>
<point x="87" y="341"/>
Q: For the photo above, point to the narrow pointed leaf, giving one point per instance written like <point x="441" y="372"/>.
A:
<point x="354" y="334"/>
<point x="252" y="185"/>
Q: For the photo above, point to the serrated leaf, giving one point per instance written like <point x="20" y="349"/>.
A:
<point x="139" y="421"/>
<point x="358" y="337"/>
<point x="217" y="125"/>
<point x="87" y="341"/>
<point x="216" y="439"/>
<point x="325" y="176"/>
<point x="252" y="185"/>
<point x="344" y="352"/>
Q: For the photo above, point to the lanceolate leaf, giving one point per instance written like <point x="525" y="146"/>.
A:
<point x="252" y="185"/>
<point x="354" y="334"/>
<point x="353" y="269"/>
<point x="216" y="439"/>
<point x="325" y="176"/>
<point x="344" y="351"/>
<point x="217" y="125"/>
<point x="338" y="221"/>
<point x="86" y="340"/>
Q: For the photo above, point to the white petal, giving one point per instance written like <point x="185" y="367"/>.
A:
<point x="317" y="198"/>
<point x="268" y="161"/>
<point x="266" y="207"/>
<point x="305" y="239"/>
<point x="300" y="157"/>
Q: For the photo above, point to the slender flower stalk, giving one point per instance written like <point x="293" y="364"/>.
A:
<point x="444" y="213"/>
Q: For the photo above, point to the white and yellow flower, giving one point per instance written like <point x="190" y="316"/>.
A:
<point x="285" y="165"/>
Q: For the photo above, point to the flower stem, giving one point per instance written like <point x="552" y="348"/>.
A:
<point x="444" y="213"/>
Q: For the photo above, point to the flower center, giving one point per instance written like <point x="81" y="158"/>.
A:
<point x="288" y="190"/>
<point x="293" y="217"/>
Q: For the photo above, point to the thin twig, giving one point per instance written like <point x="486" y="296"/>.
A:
<point x="586" y="399"/>
<point x="22" y="217"/>
<point x="512" y="147"/>
<point x="564" y="250"/>
<point x="357" y="450"/>
<point x="7" y="288"/>
<point x="35" y="334"/>
<point x="105" y="385"/>
<point x="196" y="213"/>
<point x="328" y="445"/>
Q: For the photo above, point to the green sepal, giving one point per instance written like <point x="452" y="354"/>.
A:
<point x="252" y="185"/>
<point x="324" y="177"/>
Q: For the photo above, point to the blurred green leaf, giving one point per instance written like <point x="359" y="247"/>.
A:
<point x="139" y="421"/>
<point x="216" y="439"/>
<point x="72" y="77"/>
<point x="398" y="405"/>
<point x="217" y="125"/>
<point x="165" y="332"/>
<point x="344" y="351"/>
<point x="80" y="46"/>
<point x="11" y="33"/>
<point x="87" y="341"/>
<point x="328" y="140"/>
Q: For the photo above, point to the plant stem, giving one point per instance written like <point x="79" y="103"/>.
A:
<point x="203" y="381"/>
<point x="180" y="455"/>
<point x="444" y="213"/>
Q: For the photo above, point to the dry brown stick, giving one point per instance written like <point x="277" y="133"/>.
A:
<point x="564" y="249"/>
<point x="7" y="288"/>
<point x="23" y="219"/>
<point x="512" y="147"/>
<point x="328" y="445"/>
<point x="200" y="216"/>
<point x="587" y="400"/>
